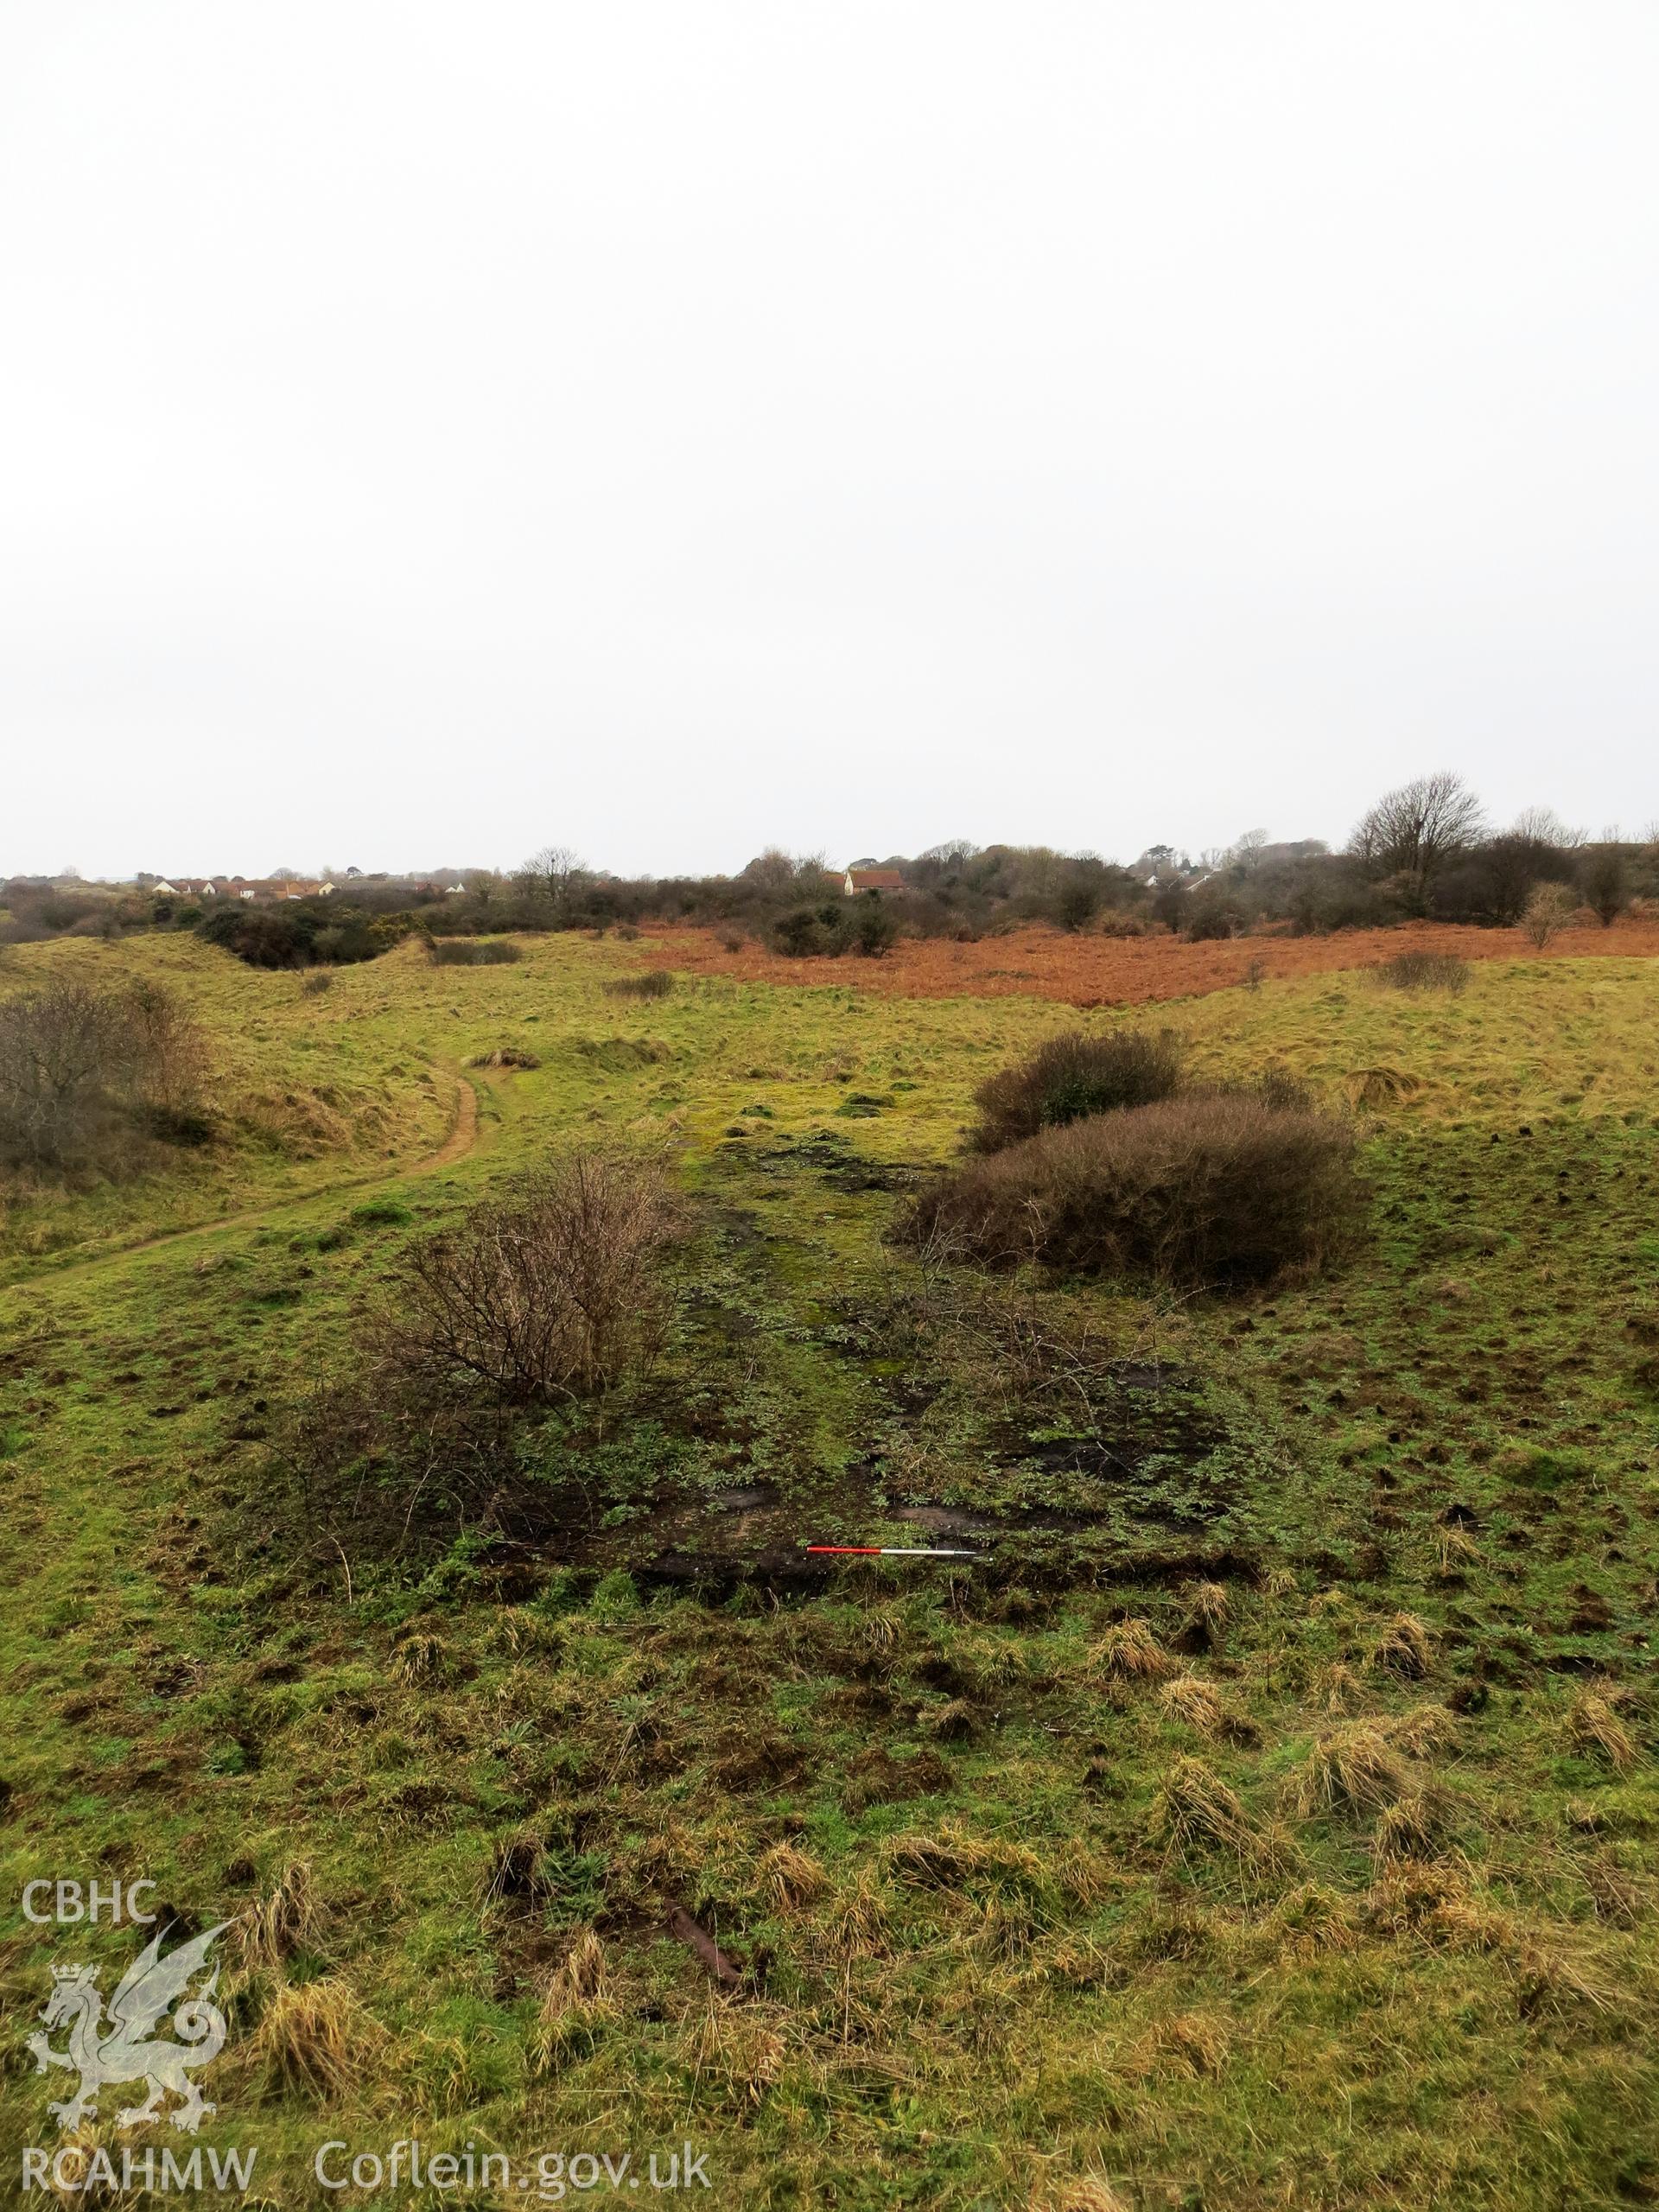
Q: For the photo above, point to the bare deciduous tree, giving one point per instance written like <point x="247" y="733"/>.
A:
<point x="1412" y="832"/>
<point x="1541" y="825"/>
<point x="551" y="872"/>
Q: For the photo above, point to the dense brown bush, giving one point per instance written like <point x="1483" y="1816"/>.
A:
<point x="86" y="1074"/>
<point x="1071" y="1077"/>
<point x="1425" y="971"/>
<point x="555" y="1291"/>
<point x="1211" y="1188"/>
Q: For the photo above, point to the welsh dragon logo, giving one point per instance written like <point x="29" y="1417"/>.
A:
<point x="124" y="2048"/>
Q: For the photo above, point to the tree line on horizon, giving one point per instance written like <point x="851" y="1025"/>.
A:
<point x="1426" y="851"/>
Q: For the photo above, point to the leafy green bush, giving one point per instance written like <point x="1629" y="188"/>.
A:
<point x="875" y="929"/>
<point x="1071" y="1077"/>
<point x="301" y="933"/>
<point x="808" y="932"/>
<point x="1210" y="1189"/>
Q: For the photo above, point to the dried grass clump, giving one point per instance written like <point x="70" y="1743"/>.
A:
<point x="1310" y="1922"/>
<point x="1403" y="1647"/>
<point x="1614" y="1894"/>
<point x="1338" y="1688"/>
<point x="1467" y="1922"/>
<point x="576" y="2007"/>
<point x="1194" y="2043"/>
<point x="1413" y="1894"/>
<point x="1594" y="1727"/>
<point x="1208" y="1607"/>
<point x="1195" y="1810"/>
<point x="792" y="1876"/>
<point x="953" y="1859"/>
<point x="76" y="2184"/>
<point x="1210" y="1189"/>
<point x="314" y="2041"/>
<point x="739" y="2050"/>
<point x="1422" y="1729"/>
<point x="1189" y="1699"/>
<point x="287" y="1919"/>
<point x="1088" y="2193"/>
<point x="419" y="1658"/>
<point x="655" y="983"/>
<point x="1404" y="1829"/>
<point x="1553" y="1980"/>
<point x="1130" y="1651"/>
<point x="1439" y="1903"/>
<point x="857" y="1917"/>
<point x="1353" y="1767"/>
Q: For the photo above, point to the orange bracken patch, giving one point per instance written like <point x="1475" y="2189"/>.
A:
<point x="1041" y="962"/>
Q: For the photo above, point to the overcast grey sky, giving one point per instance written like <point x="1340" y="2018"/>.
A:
<point x="427" y="432"/>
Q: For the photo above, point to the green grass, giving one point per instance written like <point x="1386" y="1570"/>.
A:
<point x="996" y="1935"/>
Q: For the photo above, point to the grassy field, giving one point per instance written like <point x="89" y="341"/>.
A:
<point x="1268" y="1821"/>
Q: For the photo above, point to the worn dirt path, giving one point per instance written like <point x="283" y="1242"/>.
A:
<point x="463" y="1135"/>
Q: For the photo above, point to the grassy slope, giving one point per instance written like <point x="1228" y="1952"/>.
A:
<point x="986" y="1960"/>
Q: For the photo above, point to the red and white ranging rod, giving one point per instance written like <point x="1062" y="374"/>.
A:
<point x="891" y="1551"/>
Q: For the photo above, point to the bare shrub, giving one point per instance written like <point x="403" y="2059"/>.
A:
<point x="1550" y="910"/>
<point x="555" y="1291"/>
<point x="1072" y="1077"/>
<point x="1425" y="971"/>
<point x="85" y="1072"/>
<point x="1213" y="1188"/>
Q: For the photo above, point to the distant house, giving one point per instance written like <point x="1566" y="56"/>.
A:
<point x="240" y="886"/>
<point x="858" y="880"/>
